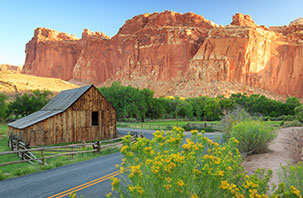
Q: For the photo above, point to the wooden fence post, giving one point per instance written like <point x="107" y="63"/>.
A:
<point x="72" y="151"/>
<point x="98" y="147"/>
<point x="12" y="144"/>
<point x="42" y="157"/>
<point x="18" y="147"/>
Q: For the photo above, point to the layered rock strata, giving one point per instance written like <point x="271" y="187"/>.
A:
<point x="176" y="54"/>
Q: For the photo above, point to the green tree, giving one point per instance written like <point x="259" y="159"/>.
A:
<point x="158" y="108"/>
<point x="130" y="102"/>
<point x="27" y="104"/>
<point x="291" y="104"/>
<point x="212" y="109"/>
<point x="299" y="113"/>
<point x="3" y="106"/>
<point x="198" y="106"/>
<point x="226" y="104"/>
<point x="183" y="109"/>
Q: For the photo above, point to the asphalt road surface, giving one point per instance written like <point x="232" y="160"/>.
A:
<point x="89" y="178"/>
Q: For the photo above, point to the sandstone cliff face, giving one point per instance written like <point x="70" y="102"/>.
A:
<point x="252" y="55"/>
<point x="177" y="54"/>
<point x="51" y="54"/>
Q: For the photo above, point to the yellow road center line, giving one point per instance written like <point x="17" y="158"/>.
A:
<point x="87" y="186"/>
<point x="106" y="176"/>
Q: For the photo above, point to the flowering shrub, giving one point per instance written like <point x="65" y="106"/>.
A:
<point x="292" y="176"/>
<point x="253" y="136"/>
<point x="167" y="167"/>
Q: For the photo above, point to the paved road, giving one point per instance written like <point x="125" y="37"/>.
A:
<point x="88" y="178"/>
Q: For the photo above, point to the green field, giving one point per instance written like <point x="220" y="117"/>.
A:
<point x="165" y="125"/>
<point x="168" y="124"/>
<point x="15" y="170"/>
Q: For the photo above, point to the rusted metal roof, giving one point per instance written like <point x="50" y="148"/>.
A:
<point x="57" y="105"/>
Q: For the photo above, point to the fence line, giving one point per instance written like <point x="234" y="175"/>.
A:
<point x="26" y="152"/>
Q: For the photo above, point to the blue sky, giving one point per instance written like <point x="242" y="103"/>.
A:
<point x="18" y="19"/>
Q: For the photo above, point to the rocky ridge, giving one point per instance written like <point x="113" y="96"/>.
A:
<point x="177" y="54"/>
<point x="10" y="69"/>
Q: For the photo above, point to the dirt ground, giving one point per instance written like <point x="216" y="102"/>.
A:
<point x="286" y="148"/>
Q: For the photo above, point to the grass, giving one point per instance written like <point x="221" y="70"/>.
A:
<point x="15" y="170"/>
<point x="3" y="129"/>
<point x="166" y="125"/>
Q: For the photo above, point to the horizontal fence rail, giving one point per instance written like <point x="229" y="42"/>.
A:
<point x="24" y="152"/>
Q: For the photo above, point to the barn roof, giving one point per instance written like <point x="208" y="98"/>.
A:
<point x="57" y="105"/>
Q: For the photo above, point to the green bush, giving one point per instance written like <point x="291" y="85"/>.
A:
<point x="294" y="123"/>
<point x="288" y="117"/>
<point x="253" y="136"/>
<point x="299" y="113"/>
<point x="292" y="176"/>
<point x="232" y="118"/>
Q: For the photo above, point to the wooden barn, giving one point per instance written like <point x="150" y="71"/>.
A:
<point x="73" y="115"/>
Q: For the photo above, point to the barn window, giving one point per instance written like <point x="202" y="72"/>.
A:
<point x="95" y="120"/>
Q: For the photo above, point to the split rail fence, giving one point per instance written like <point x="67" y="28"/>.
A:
<point x="47" y="152"/>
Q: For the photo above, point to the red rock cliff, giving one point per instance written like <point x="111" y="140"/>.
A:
<point x="177" y="54"/>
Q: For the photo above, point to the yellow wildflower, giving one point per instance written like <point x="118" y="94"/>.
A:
<point x="220" y="173"/>
<point x="124" y="149"/>
<point x="180" y="183"/>
<point x="224" y="185"/>
<point x="167" y="186"/>
<point x="115" y="183"/>
<point x="295" y="191"/>
<point x="168" y="179"/>
<point x="194" y="132"/>
<point x="137" y="189"/>
<point x="194" y="196"/>
<point x="147" y="149"/>
<point x="108" y="195"/>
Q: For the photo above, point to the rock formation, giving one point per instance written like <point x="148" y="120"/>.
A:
<point x="177" y="54"/>
<point x="9" y="69"/>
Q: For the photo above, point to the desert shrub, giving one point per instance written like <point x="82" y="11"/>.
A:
<point x="253" y="136"/>
<point x="294" y="123"/>
<point x="167" y="167"/>
<point x="292" y="176"/>
<point x="232" y="118"/>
